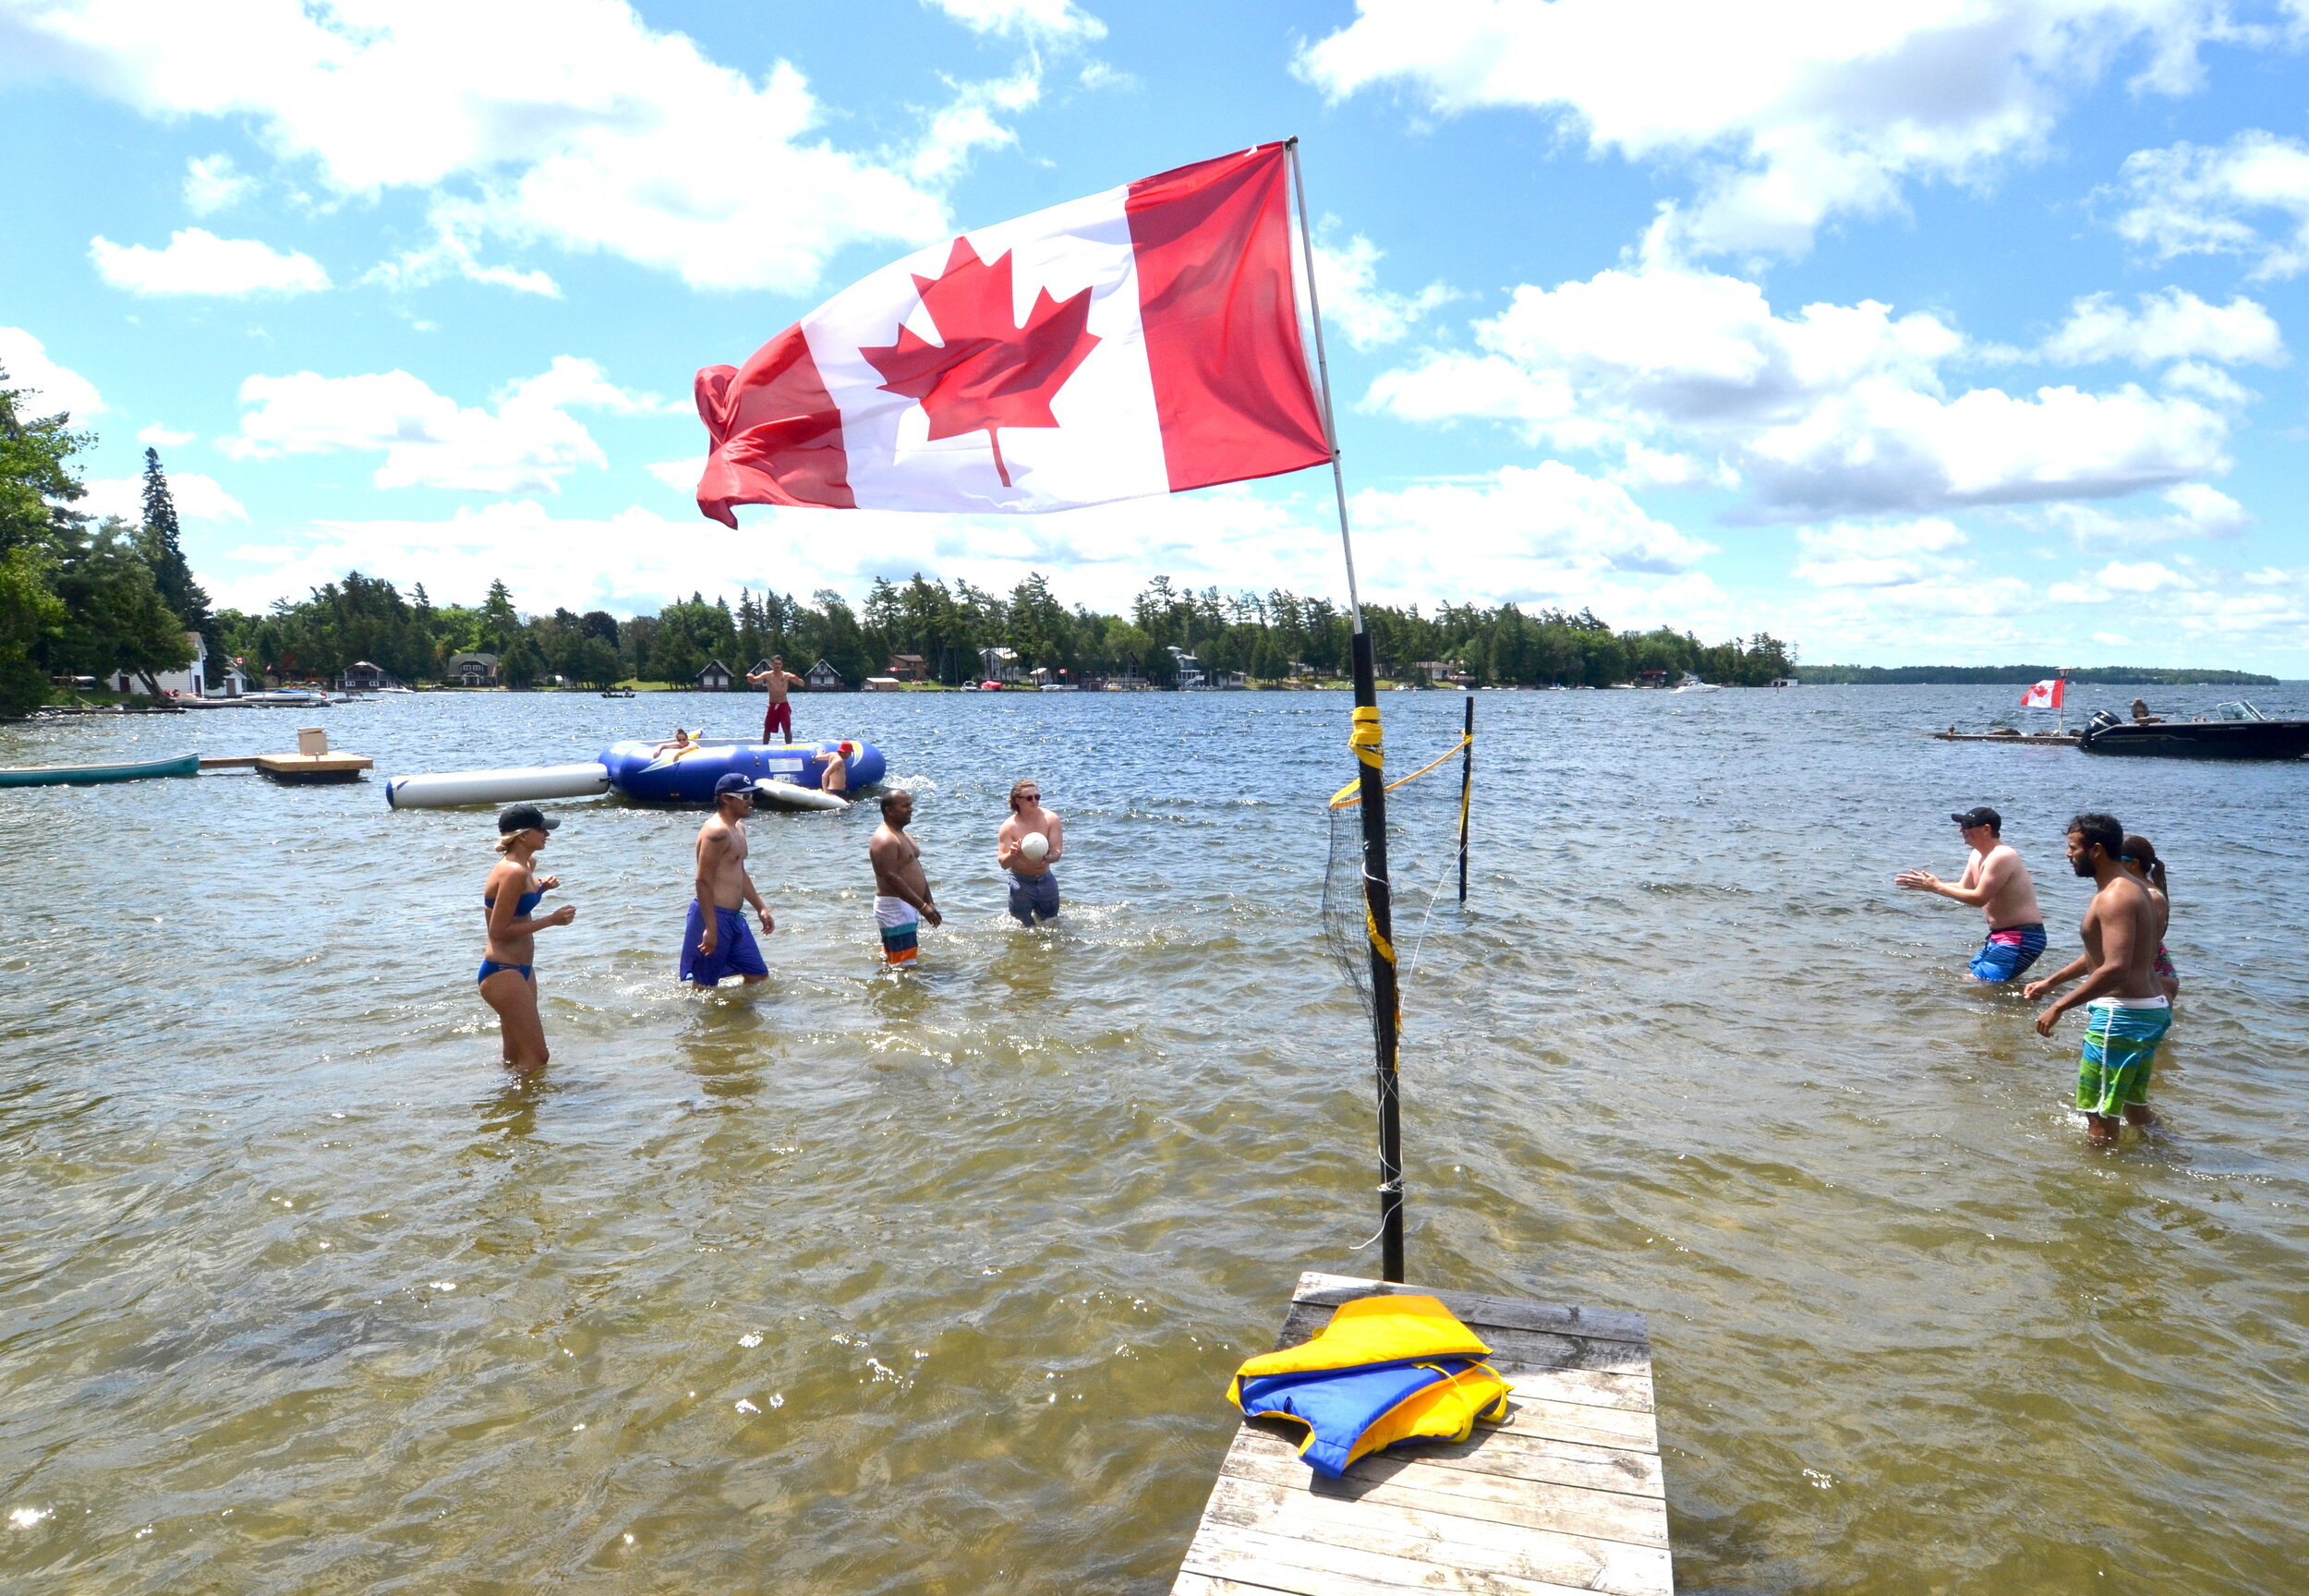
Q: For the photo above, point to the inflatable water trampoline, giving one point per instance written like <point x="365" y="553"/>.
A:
<point x="788" y="775"/>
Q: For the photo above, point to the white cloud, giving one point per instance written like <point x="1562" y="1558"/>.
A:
<point x="1845" y="555"/>
<point x="2249" y="197"/>
<point x="972" y="123"/>
<point x="527" y="444"/>
<point x="1044" y="19"/>
<point x="213" y="183"/>
<point x="2193" y="511"/>
<point x="566" y="122"/>
<point x="1790" y="111"/>
<point x="1353" y="302"/>
<point x="198" y="262"/>
<point x="2174" y="325"/>
<point x="1837" y="409"/>
<point x="162" y="437"/>
<point x="51" y="387"/>
<point x="198" y="498"/>
<point x="681" y="475"/>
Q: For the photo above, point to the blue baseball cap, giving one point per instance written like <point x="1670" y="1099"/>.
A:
<point x="733" y="782"/>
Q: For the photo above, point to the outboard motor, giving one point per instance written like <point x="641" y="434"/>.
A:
<point x="2102" y="720"/>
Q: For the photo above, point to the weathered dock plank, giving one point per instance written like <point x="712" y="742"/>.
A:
<point x="1567" y="1494"/>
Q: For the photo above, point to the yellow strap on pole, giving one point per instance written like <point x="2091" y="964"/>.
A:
<point x="1364" y="738"/>
<point x="1385" y="948"/>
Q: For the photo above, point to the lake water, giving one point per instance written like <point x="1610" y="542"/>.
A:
<point x="865" y="1284"/>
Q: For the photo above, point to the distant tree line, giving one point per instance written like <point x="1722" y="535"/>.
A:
<point x="80" y="596"/>
<point x="1273" y="636"/>
<point x="1957" y="675"/>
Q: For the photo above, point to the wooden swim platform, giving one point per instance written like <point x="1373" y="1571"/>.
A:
<point x="1565" y="1496"/>
<point x="2018" y="739"/>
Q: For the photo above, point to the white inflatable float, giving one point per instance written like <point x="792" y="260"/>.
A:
<point x="454" y="789"/>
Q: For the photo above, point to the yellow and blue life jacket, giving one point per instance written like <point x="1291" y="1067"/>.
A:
<point x="1386" y="1369"/>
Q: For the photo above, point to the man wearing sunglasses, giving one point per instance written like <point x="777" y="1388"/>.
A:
<point x="1996" y="883"/>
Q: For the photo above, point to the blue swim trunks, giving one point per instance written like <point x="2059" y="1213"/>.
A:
<point x="2120" y="1038"/>
<point x="1033" y="898"/>
<point x="2008" y="952"/>
<point x="735" y="952"/>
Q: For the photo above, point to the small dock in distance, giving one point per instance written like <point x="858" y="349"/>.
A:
<point x="1566" y="1495"/>
<point x="2017" y="739"/>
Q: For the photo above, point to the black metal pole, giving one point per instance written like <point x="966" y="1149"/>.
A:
<point x="1467" y="793"/>
<point x="1387" y="1010"/>
<point x="1385" y="1003"/>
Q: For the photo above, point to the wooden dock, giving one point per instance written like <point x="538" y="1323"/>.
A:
<point x="2018" y="739"/>
<point x="295" y="769"/>
<point x="1565" y="1496"/>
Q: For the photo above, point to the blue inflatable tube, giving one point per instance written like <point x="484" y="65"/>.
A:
<point x="639" y="771"/>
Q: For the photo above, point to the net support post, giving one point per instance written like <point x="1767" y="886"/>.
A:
<point x="1387" y="1011"/>
<point x="1466" y="794"/>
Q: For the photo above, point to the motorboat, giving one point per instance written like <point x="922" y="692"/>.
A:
<point x="1692" y="684"/>
<point x="617" y="691"/>
<point x="2237" y="730"/>
<point x="288" y="698"/>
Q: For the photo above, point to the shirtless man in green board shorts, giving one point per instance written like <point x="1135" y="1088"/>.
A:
<point x="2127" y="1011"/>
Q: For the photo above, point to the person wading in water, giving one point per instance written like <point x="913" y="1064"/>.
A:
<point x="716" y="940"/>
<point x="902" y="893"/>
<point x="509" y="977"/>
<point x="1996" y="883"/>
<point x="2127" y="1011"/>
<point x="1033" y="890"/>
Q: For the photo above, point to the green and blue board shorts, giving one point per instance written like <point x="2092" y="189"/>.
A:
<point x="2120" y="1038"/>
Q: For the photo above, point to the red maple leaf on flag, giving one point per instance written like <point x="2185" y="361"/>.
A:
<point x="989" y="373"/>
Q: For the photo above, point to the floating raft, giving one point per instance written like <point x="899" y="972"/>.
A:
<point x="2018" y="739"/>
<point x="1566" y="1495"/>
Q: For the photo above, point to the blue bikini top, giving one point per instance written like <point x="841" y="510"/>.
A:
<point x="529" y="901"/>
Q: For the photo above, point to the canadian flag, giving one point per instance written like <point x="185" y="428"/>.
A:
<point x="2044" y="695"/>
<point x="1141" y="341"/>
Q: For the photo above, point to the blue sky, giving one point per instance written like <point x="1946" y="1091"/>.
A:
<point x="1944" y="331"/>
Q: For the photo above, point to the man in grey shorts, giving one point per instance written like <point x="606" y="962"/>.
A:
<point x="1033" y="890"/>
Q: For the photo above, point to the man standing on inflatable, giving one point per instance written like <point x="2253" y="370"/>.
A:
<point x="776" y="679"/>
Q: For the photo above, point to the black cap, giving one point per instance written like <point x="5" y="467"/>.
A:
<point x="1983" y="816"/>
<point x="733" y="782"/>
<point x="526" y="818"/>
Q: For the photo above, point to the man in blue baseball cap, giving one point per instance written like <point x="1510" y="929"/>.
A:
<point x="717" y="941"/>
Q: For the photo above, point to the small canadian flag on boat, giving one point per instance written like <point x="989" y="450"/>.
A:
<point x="2044" y="695"/>
<point x="1142" y="341"/>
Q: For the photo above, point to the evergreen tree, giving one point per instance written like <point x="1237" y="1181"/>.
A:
<point x="159" y="540"/>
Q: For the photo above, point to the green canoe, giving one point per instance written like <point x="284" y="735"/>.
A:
<point x="87" y="775"/>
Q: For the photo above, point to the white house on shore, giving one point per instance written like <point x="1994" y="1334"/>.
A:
<point x="192" y="682"/>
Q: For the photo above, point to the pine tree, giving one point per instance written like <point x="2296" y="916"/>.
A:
<point x="157" y="539"/>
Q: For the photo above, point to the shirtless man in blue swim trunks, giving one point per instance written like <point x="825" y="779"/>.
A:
<point x="717" y="941"/>
<point x="2127" y="1011"/>
<point x="1996" y="883"/>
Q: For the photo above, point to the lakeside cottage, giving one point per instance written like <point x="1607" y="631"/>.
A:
<point x="908" y="668"/>
<point x="473" y="669"/>
<point x="189" y="681"/>
<point x="714" y="678"/>
<point x="365" y="676"/>
<point x="822" y="678"/>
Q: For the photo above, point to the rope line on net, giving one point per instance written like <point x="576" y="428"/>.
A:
<point x="1351" y="794"/>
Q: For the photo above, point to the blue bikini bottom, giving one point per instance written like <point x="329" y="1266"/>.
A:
<point x="490" y="967"/>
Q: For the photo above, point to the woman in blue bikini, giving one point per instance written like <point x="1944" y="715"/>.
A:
<point x="509" y="980"/>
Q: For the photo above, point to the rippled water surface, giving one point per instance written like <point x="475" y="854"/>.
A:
<point x="860" y="1284"/>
